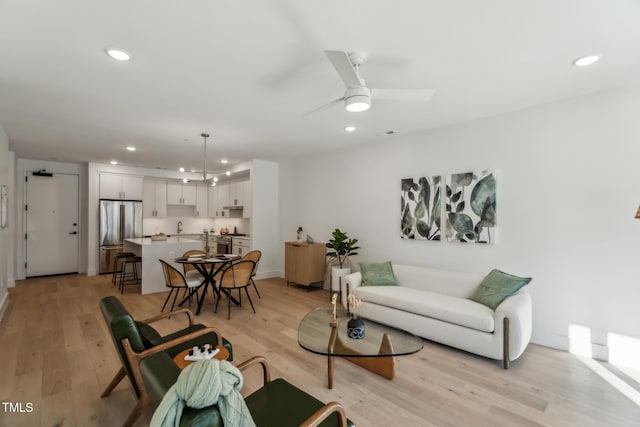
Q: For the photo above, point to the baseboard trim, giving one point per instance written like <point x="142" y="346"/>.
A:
<point x="91" y="272"/>
<point x="267" y="275"/>
<point x="11" y="282"/>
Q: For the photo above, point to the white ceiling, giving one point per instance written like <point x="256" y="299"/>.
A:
<point x="247" y="71"/>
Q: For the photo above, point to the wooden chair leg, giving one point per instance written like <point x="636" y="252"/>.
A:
<point x="114" y="382"/>
<point x="137" y="410"/>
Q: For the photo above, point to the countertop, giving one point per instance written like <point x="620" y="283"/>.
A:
<point x="171" y="240"/>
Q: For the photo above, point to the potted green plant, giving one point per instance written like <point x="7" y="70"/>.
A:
<point x="341" y="248"/>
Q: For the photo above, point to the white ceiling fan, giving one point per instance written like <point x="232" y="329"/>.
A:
<point x="357" y="96"/>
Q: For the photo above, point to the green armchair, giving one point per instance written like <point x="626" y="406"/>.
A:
<point x="135" y="340"/>
<point x="277" y="403"/>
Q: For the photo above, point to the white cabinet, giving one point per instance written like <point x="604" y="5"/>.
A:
<point x="202" y="200"/>
<point x="120" y="187"/>
<point x="213" y="201"/>
<point x="218" y="198"/>
<point x="154" y="199"/>
<point x="240" y="245"/>
<point x="223" y="197"/>
<point x="230" y="193"/>
<point x="236" y="193"/>
<point x="181" y="194"/>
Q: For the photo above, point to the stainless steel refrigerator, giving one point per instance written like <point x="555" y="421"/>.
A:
<point x="119" y="220"/>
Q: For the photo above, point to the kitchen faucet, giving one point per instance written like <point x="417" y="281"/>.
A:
<point x="179" y="227"/>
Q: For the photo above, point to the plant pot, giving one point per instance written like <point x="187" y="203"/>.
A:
<point x="337" y="280"/>
<point x="355" y="328"/>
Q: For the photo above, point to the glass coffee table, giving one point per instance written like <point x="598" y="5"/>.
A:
<point x="374" y="352"/>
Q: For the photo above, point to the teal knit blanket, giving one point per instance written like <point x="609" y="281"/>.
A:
<point x="203" y="384"/>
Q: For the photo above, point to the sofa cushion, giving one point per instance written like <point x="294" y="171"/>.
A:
<point x="453" y="283"/>
<point x="377" y="274"/>
<point x="459" y="311"/>
<point x="496" y="287"/>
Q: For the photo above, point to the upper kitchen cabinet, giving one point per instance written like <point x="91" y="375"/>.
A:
<point x="202" y="201"/>
<point x="154" y="200"/>
<point x="181" y="194"/>
<point x="240" y="196"/>
<point x="120" y="187"/>
<point x="218" y="198"/>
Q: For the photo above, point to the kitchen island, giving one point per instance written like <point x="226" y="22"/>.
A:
<point x="152" y="251"/>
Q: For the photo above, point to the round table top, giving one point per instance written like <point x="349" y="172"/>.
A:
<point x="223" y="354"/>
<point x="210" y="260"/>
<point x="314" y="333"/>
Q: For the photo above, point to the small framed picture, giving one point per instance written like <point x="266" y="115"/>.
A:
<point x="3" y="206"/>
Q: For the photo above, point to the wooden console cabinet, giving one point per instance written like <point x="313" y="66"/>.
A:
<point x="304" y="263"/>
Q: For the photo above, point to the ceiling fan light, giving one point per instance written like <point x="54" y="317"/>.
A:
<point x="357" y="106"/>
<point x="357" y="99"/>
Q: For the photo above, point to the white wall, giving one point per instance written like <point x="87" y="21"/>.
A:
<point x="23" y="168"/>
<point x="264" y="216"/>
<point x="568" y="181"/>
<point x="6" y="234"/>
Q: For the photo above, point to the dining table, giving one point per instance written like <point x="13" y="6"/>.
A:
<point x="208" y="267"/>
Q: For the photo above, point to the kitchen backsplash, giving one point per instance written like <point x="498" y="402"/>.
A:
<point x="191" y="225"/>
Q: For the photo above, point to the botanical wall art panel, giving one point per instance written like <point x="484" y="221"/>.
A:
<point x="470" y="207"/>
<point x="420" y="208"/>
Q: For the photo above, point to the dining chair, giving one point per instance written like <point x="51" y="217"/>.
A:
<point x="236" y="276"/>
<point x="255" y="257"/>
<point x="175" y="280"/>
<point x="190" y="272"/>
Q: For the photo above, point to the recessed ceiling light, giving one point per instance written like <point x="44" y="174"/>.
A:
<point x="224" y="161"/>
<point x="114" y="162"/>
<point x="213" y="184"/>
<point x="181" y="169"/>
<point x="131" y="148"/>
<point x="228" y="173"/>
<point x="193" y="171"/>
<point x="586" y="60"/>
<point x="349" y="128"/>
<point x="119" y="54"/>
<point x="215" y="179"/>
<point x="185" y="180"/>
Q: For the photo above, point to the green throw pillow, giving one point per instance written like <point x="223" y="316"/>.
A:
<point x="377" y="274"/>
<point x="496" y="287"/>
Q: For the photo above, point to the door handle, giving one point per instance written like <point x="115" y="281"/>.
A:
<point x="74" y="232"/>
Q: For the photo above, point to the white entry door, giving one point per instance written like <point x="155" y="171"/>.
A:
<point x="51" y="225"/>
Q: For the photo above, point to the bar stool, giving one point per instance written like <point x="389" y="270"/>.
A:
<point x="117" y="266"/>
<point x="133" y="274"/>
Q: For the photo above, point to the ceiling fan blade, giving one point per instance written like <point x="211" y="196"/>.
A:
<point x="325" y="106"/>
<point x="420" y="95"/>
<point x="342" y="63"/>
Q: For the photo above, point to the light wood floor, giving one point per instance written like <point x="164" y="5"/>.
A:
<point x="56" y="354"/>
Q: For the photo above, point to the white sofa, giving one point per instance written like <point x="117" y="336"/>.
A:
<point x="433" y="304"/>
